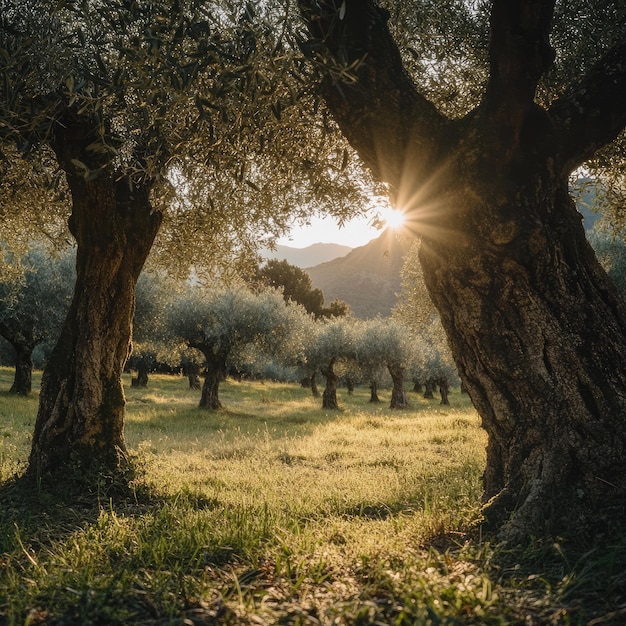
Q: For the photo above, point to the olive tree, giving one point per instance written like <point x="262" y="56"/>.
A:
<point x="33" y="305"/>
<point x="327" y="348"/>
<point x="152" y="118"/>
<point x="221" y="323"/>
<point x="529" y="91"/>
<point x="152" y="343"/>
<point x="386" y="343"/>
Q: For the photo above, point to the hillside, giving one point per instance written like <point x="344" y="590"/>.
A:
<point x="309" y="256"/>
<point x="368" y="278"/>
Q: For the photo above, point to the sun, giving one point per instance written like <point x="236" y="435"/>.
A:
<point x="393" y="218"/>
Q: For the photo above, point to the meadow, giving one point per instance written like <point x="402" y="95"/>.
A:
<point x="273" y="511"/>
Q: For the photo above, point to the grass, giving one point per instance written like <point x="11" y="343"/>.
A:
<point x="273" y="511"/>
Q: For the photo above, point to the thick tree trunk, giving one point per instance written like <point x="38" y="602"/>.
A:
<point x="536" y="328"/>
<point x="374" y="392"/>
<point x="417" y="386"/>
<point x="329" y="397"/>
<point x="213" y="375"/>
<point x="80" y="420"/>
<point x="538" y="334"/>
<point x="23" y="380"/>
<point x="314" y="389"/>
<point x="398" y="393"/>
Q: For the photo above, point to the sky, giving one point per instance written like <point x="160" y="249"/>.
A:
<point x="354" y="233"/>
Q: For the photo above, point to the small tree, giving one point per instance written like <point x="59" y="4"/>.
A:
<point x="327" y="350"/>
<point x="151" y="342"/>
<point x="221" y="322"/>
<point x="387" y="343"/>
<point x="368" y="354"/>
<point x="32" y="308"/>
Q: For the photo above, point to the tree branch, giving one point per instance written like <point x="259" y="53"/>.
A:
<point x="592" y="112"/>
<point x="519" y="53"/>
<point x="367" y="89"/>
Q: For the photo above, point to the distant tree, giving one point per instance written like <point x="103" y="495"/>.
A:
<point x="33" y="306"/>
<point x="310" y="364"/>
<point x="433" y="366"/>
<point x="297" y="287"/>
<point x="369" y="354"/>
<point x="328" y="349"/>
<point x="611" y="251"/>
<point x="336" y="308"/>
<point x="151" y="342"/>
<point x="221" y="322"/>
<point x="386" y="343"/>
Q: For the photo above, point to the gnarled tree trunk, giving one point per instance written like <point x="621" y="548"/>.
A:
<point x="374" y="392"/>
<point x="80" y="419"/>
<point x="329" y="396"/>
<point x="398" y="393"/>
<point x="23" y="379"/>
<point x="536" y="328"/>
<point x="213" y="375"/>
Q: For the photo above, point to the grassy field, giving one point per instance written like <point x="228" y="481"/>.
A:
<point x="272" y="511"/>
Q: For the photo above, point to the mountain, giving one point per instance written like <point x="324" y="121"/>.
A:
<point x="368" y="278"/>
<point x="309" y="256"/>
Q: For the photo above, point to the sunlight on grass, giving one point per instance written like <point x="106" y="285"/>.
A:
<point x="270" y="510"/>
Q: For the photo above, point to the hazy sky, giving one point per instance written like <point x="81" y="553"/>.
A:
<point x="354" y="233"/>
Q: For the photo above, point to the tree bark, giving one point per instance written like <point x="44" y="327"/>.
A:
<point x="79" y="424"/>
<point x="374" y="392"/>
<point x="536" y="328"/>
<point x="444" y="389"/>
<point x="23" y="380"/>
<point x="314" y="389"/>
<point x="213" y="375"/>
<point x="329" y="396"/>
<point x="429" y="389"/>
<point x="399" y="398"/>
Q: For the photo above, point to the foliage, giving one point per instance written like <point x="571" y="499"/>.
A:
<point x="223" y="321"/>
<point x="611" y="252"/>
<point x="33" y="305"/>
<point x="329" y="342"/>
<point x="200" y="100"/>
<point x="296" y="286"/>
<point x="229" y="325"/>
<point x="34" y="206"/>
<point x="415" y="309"/>
<point x="152" y="343"/>
<point x="382" y="343"/>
